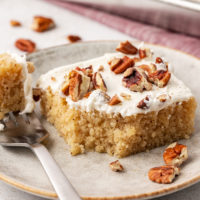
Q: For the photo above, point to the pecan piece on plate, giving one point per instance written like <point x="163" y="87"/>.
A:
<point x="119" y="65"/>
<point x="175" y="154"/>
<point x="25" y="45"/>
<point x="136" y="80"/>
<point x="41" y="24"/>
<point x="163" y="174"/>
<point x="73" y="38"/>
<point x="116" y="166"/>
<point x="127" y="48"/>
<point x="15" y="23"/>
<point x="98" y="82"/>
<point x="160" y="78"/>
<point x="114" y="100"/>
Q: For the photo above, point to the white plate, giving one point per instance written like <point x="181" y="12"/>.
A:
<point x="90" y="173"/>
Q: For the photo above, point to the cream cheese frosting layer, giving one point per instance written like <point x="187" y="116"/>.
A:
<point x="29" y="103"/>
<point x="175" y="90"/>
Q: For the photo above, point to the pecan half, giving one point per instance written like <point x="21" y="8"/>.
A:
<point x="37" y="92"/>
<point x="136" y="80"/>
<point x="160" y="78"/>
<point x="25" y="45"/>
<point x="98" y="82"/>
<point x="119" y="65"/>
<point x="163" y="174"/>
<point x="15" y="23"/>
<point x="116" y="166"/>
<point x="73" y="38"/>
<point x="144" y="103"/>
<point x="79" y="85"/>
<point x="114" y="100"/>
<point x="175" y="154"/>
<point x="127" y="48"/>
<point x="41" y="24"/>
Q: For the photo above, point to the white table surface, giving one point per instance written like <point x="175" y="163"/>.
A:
<point x="67" y="23"/>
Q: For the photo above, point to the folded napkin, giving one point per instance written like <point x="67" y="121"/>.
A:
<point x="137" y="30"/>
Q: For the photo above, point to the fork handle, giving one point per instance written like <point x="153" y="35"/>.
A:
<point x="62" y="186"/>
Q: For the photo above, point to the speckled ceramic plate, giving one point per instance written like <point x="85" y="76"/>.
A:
<point x="90" y="173"/>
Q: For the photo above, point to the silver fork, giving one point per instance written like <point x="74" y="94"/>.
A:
<point x="26" y="131"/>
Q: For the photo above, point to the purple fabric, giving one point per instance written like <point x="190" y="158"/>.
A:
<point x="137" y="30"/>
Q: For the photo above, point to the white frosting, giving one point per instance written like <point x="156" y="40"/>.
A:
<point x="29" y="103"/>
<point x="175" y="89"/>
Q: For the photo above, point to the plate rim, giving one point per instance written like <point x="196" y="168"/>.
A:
<point x="161" y="192"/>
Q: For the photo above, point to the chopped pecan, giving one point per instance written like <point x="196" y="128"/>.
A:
<point x="15" y="23"/>
<point x="159" y="60"/>
<point x="127" y="48"/>
<point x="37" y="92"/>
<point x="25" y="45"/>
<point x="88" y="71"/>
<point x="136" y="80"/>
<point x="136" y="59"/>
<point x="119" y="65"/>
<point x="41" y="24"/>
<point x="142" y="53"/>
<point x="79" y="85"/>
<point x="144" y="103"/>
<point x="125" y="96"/>
<point x="73" y="38"/>
<point x="87" y="94"/>
<point x="114" y="100"/>
<point x="30" y="67"/>
<point x="175" y="154"/>
<point x="163" y="174"/>
<point x="163" y="97"/>
<point x="101" y="68"/>
<point x="105" y="96"/>
<point x="65" y="87"/>
<point x="160" y="78"/>
<point x="98" y="82"/>
<point x="148" y="68"/>
<point x="53" y="78"/>
<point x="116" y="166"/>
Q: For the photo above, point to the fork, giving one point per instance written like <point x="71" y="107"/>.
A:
<point x="25" y="130"/>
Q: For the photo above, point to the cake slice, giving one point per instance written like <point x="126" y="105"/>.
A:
<point x="121" y="103"/>
<point x="15" y="84"/>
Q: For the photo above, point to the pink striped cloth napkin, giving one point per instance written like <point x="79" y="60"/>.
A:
<point x="137" y="30"/>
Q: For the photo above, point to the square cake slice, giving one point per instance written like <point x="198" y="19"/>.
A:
<point x="15" y="84"/>
<point x="120" y="103"/>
